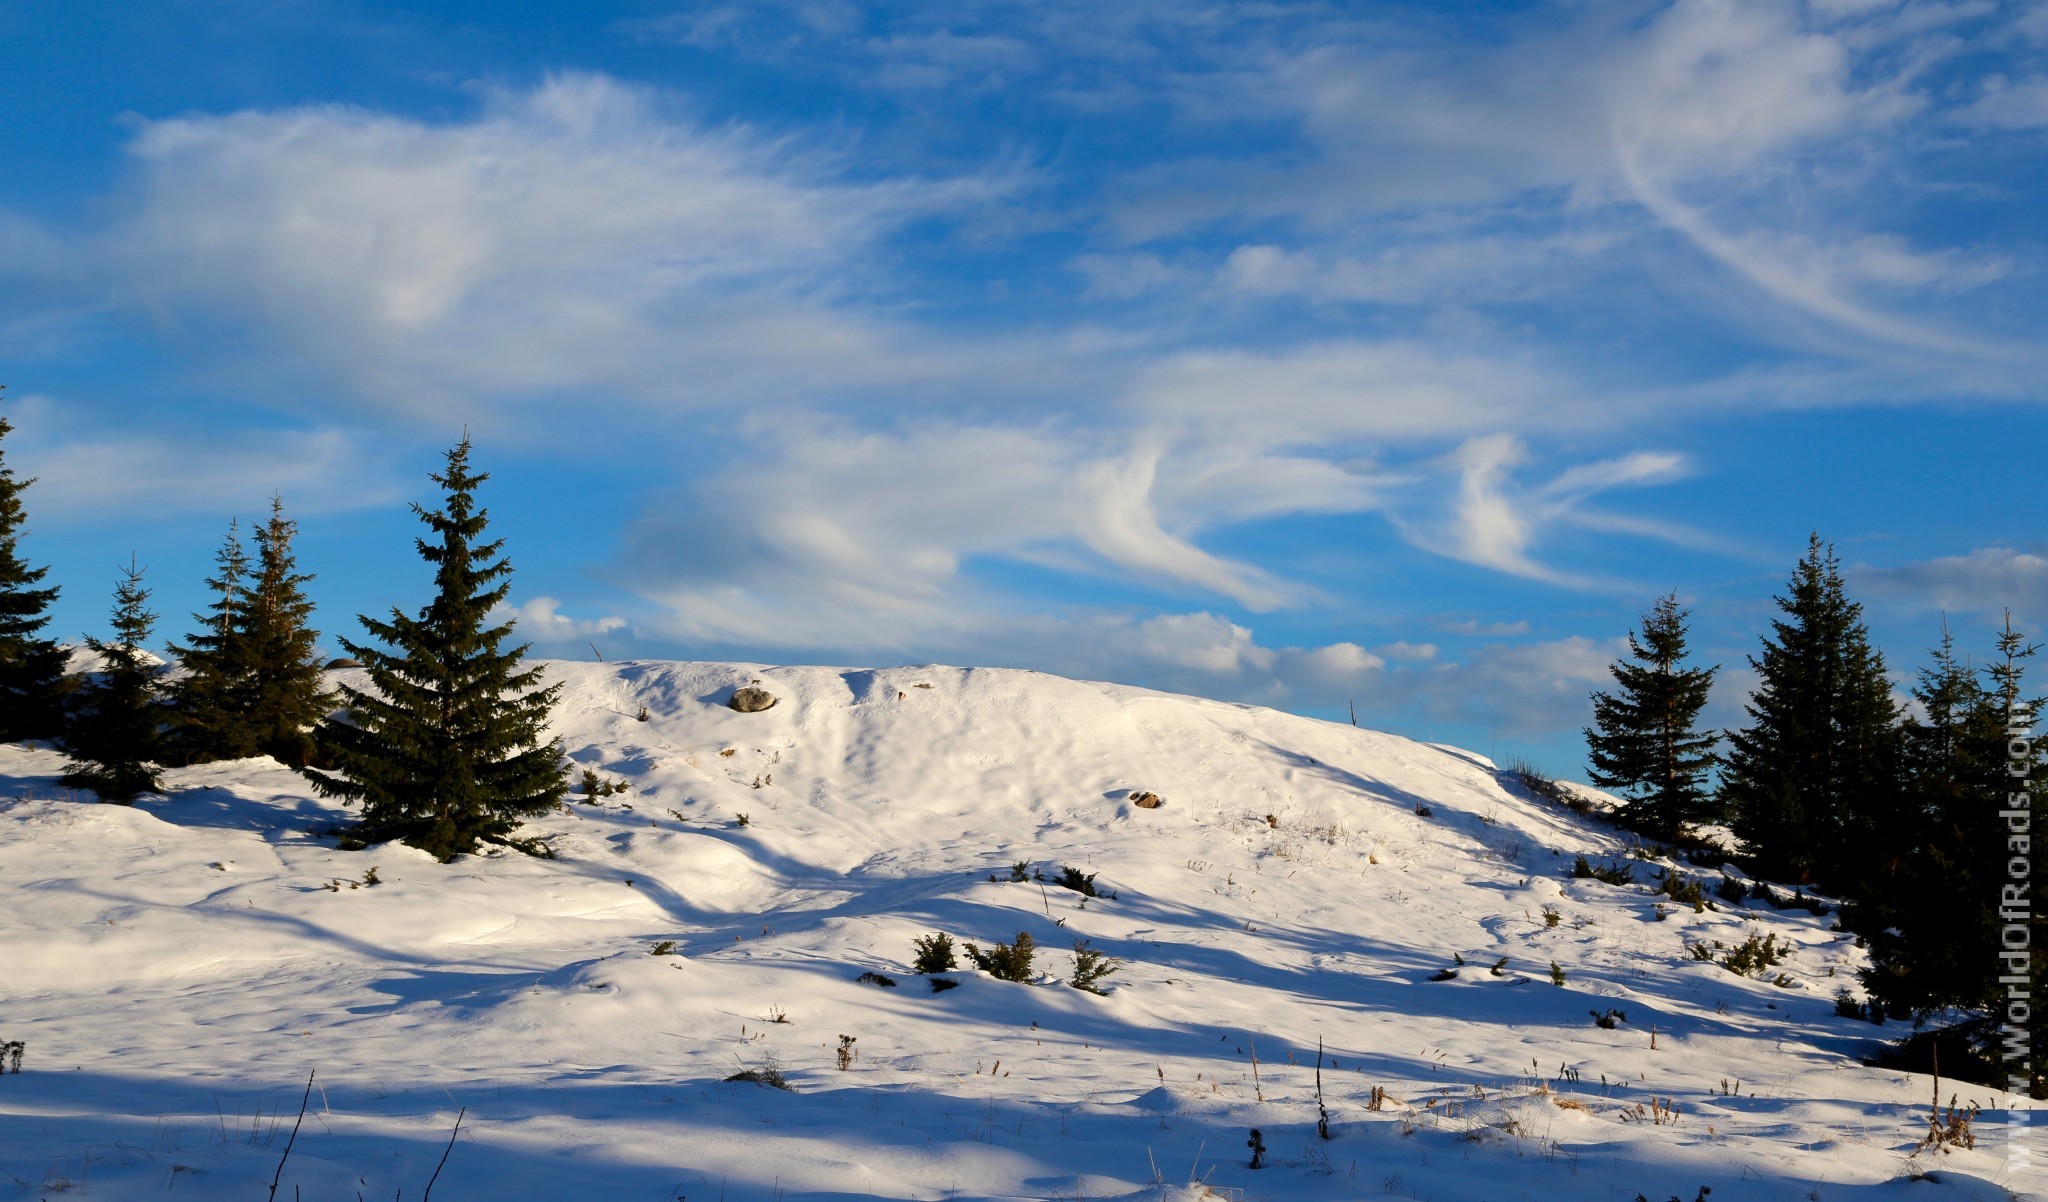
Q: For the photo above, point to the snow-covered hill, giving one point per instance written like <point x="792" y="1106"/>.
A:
<point x="177" y="968"/>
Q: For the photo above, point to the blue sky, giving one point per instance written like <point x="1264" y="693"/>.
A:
<point x="1306" y="354"/>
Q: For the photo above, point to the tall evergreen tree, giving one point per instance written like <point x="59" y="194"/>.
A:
<point x="1810" y="784"/>
<point x="209" y="702"/>
<point x="1930" y="907"/>
<point x="31" y="666"/>
<point x="286" y="697"/>
<point x="113" y="735"/>
<point x="1645" y="738"/>
<point x="447" y="748"/>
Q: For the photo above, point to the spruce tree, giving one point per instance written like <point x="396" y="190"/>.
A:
<point x="447" y="747"/>
<point x="113" y="735"/>
<point x="1645" y="738"/>
<point x="285" y="697"/>
<point x="31" y="666"/>
<point x="209" y="702"/>
<point x="1929" y="907"/>
<point x="1810" y="784"/>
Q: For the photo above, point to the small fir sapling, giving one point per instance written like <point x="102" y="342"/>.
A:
<point x="1005" y="961"/>
<point x="1080" y="882"/>
<point x="1613" y="874"/>
<point x="112" y="735"/>
<point x="934" y="954"/>
<point x="1556" y="974"/>
<point x="1756" y="954"/>
<point x="1090" y="967"/>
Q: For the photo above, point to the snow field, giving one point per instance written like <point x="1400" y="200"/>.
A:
<point x="177" y="968"/>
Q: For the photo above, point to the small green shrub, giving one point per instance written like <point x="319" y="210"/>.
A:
<point x="1090" y="967"/>
<point x="1731" y="891"/>
<point x="1444" y="974"/>
<point x="942" y="984"/>
<point x="665" y="947"/>
<point x="876" y="979"/>
<point x="1700" y="951"/>
<point x="1756" y="954"/>
<point x="1684" y="889"/>
<point x="1552" y="916"/>
<point x="1613" y="874"/>
<point x="594" y="786"/>
<point x="1846" y="1006"/>
<point x="1500" y="967"/>
<point x="370" y="877"/>
<point x="1080" y="882"/>
<point x="1556" y="974"/>
<point x="934" y="954"/>
<point x="1005" y="961"/>
<point x="1608" y="1020"/>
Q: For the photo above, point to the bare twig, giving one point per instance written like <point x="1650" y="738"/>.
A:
<point x="1322" y="1111"/>
<point x="444" y="1155"/>
<point x="279" y="1175"/>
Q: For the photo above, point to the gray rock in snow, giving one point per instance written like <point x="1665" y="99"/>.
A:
<point x="750" y="700"/>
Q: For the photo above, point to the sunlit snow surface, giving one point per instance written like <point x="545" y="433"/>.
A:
<point x="177" y="968"/>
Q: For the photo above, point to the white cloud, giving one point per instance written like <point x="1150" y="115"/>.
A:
<point x="1986" y="581"/>
<point x="1353" y="389"/>
<point x="1525" y="688"/>
<point x="1472" y="626"/>
<point x="540" y="620"/>
<point x="1493" y="523"/>
<point x="1115" y="514"/>
<point x="827" y="532"/>
<point x="576" y="236"/>
<point x="2009" y="104"/>
<point x="89" y="469"/>
<point x="1413" y="652"/>
<point x="1204" y="642"/>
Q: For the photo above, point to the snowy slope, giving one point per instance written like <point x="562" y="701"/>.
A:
<point x="176" y="969"/>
